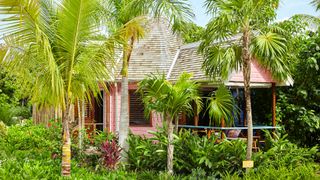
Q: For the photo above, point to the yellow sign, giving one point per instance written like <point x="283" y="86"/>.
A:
<point x="247" y="164"/>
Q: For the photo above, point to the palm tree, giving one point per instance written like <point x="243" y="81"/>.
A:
<point x="159" y="95"/>
<point x="133" y="14"/>
<point x="53" y="47"/>
<point x="316" y="3"/>
<point x="239" y="33"/>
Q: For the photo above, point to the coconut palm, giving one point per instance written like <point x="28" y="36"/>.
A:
<point x="133" y="15"/>
<point x="238" y="33"/>
<point x="52" y="46"/>
<point x="316" y="3"/>
<point x="160" y="95"/>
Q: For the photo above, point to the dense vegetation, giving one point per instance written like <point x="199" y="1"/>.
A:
<point x="13" y="107"/>
<point x="33" y="151"/>
<point x="29" y="151"/>
<point x="298" y="106"/>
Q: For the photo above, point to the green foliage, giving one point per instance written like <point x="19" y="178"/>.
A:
<point x="160" y="95"/>
<point x="27" y="141"/>
<point x="190" y="151"/>
<point x="194" y="151"/>
<point x="283" y="173"/>
<point x="31" y="151"/>
<point x="216" y="159"/>
<point x="299" y="106"/>
<point x="148" y="153"/>
<point x="3" y="130"/>
<point x="222" y="106"/>
<point x="191" y="32"/>
<point x="12" y="106"/>
<point x="282" y="153"/>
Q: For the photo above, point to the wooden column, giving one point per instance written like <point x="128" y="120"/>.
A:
<point x="273" y="104"/>
<point x="222" y="131"/>
<point x="196" y="116"/>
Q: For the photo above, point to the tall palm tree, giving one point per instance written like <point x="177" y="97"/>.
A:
<point x="52" y="46"/>
<point x="160" y="95"/>
<point x="133" y="15"/>
<point x="238" y="33"/>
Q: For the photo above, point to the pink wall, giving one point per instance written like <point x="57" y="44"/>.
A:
<point x="139" y="130"/>
<point x="258" y="75"/>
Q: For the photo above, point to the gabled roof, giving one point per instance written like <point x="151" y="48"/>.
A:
<point x="154" y="53"/>
<point x="189" y="60"/>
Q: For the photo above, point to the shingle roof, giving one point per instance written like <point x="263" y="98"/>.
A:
<point x="155" y="52"/>
<point x="189" y="60"/>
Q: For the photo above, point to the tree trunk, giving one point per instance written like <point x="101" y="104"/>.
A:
<point x="124" y="109"/>
<point x="81" y="123"/>
<point x="170" y="145"/>
<point x="117" y="121"/>
<point x="176" y="125"/>
<point x="66" y="148"/>
<point x="124" y="115"/>
<point x="246" y="57"/>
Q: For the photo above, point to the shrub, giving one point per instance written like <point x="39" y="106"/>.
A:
<point x="147" y="153"/>
<point x="283" y="153"/>
<point x="307" y="171"/>
<point x="30" y="141"/>
<point x="214" y="159"/>
<point x="110" y="152"/>
<point x="190" y="151"/>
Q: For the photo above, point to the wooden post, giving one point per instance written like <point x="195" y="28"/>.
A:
<point x="196" y="117"/>
<point x="273" y="105"/>
<point x="222" y="131"/>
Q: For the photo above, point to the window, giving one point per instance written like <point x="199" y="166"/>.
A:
<point x="136" y="110"/>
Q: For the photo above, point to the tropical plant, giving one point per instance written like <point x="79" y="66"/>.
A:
<point x="239" y="33"/>
<point x="298" y="106"/>
<point x="160" y="95"/>
<point x="12" y="105"/>
<point x="110" y="154"/>
<point x="52" y="46"/>
<point x="222" y="107"/>
<point x="132" y="15"/>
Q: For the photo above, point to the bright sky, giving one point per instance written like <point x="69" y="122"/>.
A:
<point x="287" y="9"/>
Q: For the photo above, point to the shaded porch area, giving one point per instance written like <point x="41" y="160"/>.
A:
<point x="263" y="115"/>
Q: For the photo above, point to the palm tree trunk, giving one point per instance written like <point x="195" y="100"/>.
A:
<point x="124" y="115"/>
<point x="124" y="109"/>
<point x="170" y="148"/>
<point x="176" y="125"/>
<point x="246" y="76"/>
<point x="66" y="148"/>
<point x="80" y="124"/>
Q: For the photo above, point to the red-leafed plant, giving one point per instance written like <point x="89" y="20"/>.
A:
<point x="110" y="154"/>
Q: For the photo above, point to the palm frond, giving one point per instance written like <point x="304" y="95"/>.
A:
<point x="221" y="105"/>
<point x="316" y="3"/>
<point x="220" y="61"/>
<point x="270" y="50"/>
<point x="269" y="45"/>
<point x="160" y="95"/>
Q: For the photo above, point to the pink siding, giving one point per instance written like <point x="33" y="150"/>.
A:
<point x="139" y="130"/>
<point x="156" y="121"/>
<point x="258" y="75"/>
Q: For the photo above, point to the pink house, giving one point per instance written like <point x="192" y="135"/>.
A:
<point x="162" y="51"/>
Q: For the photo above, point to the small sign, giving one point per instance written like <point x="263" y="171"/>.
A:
<point x="247" y="164"/>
